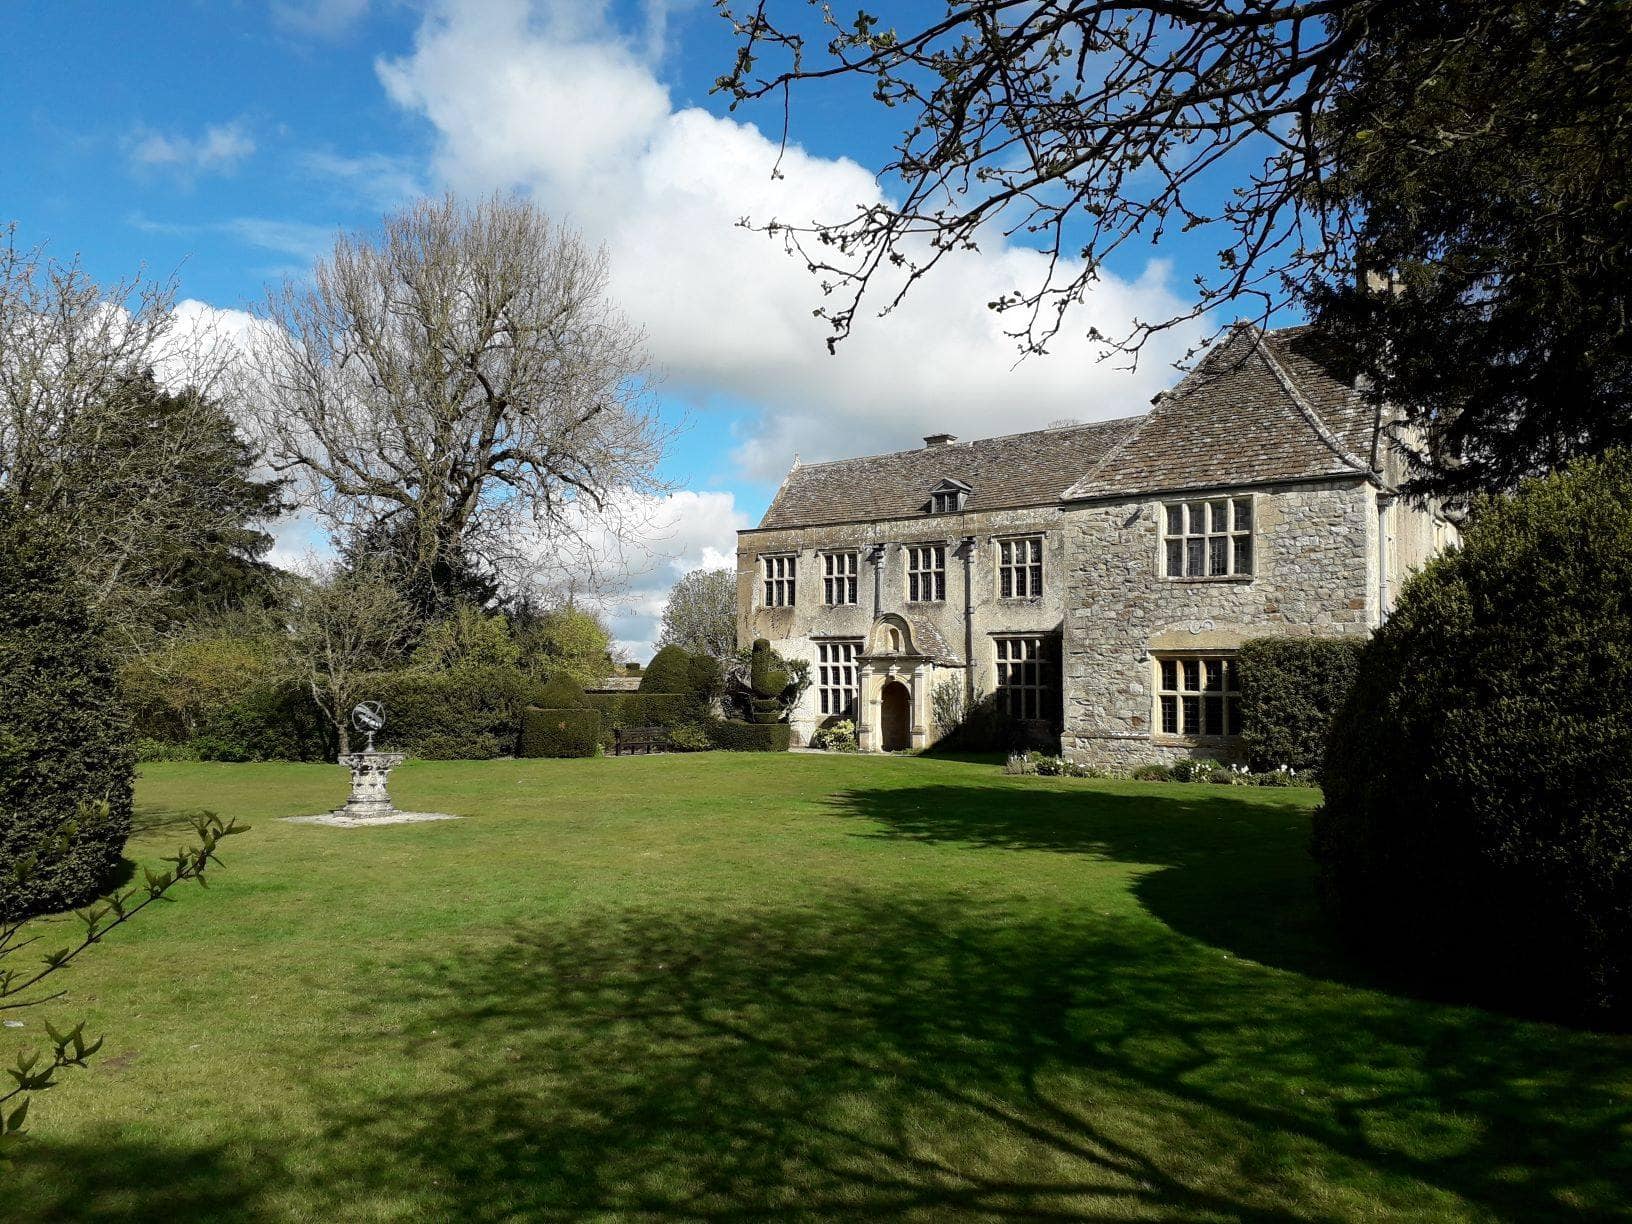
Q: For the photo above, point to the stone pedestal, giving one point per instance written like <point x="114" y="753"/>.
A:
<point x="368" y="799"/>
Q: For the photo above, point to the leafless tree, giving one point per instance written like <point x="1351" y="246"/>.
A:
<point x="344" y="623"/>
<point x="1083" y="126"/>
<point x="457" y="384"/>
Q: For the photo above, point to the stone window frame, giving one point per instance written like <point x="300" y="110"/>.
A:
<point x="1203" y="546"/>
<point x="838" y="680"/>
<point x="843" y="579"/>
<point x="1182" y="684"/>
<point x="1033" y="581"/>
<point x="1034" y="687"/>
<point x="779" y="579"/>
<point x="935" y="574"/>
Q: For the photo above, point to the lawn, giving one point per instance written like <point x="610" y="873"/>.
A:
<point x="785" y="987"/>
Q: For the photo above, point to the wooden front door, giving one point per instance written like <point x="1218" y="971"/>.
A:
<point x="895" y="717"/>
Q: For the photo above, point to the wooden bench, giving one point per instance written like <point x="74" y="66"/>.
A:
<point x="629" y="740"/>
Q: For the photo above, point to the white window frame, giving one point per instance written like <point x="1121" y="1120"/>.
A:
<point x="1027" y="573"/>
<point x="1209" y="538"/>
<point x="779" y="579"/>
<point x="926" y="583"/>
<point x="946" y="501"/>
<point x="1021" y="662"/>
<point x="840" y="570"/>
<point x="1196" y="691"/>
<point x="837" y="685"/>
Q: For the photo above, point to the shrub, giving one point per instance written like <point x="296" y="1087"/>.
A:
<point x="1192" y="771"/>
<point x="560" y="733"/>
<point x="839" y="736"/>
<point x="668" y="672"/>
<point x="733" y="736"/>
<point x="66" y="752"/>
<point x="1478" y="813"/>
<point x="689" y="737"/>
<point x="470" y="713"/>
<point x="564" y="693"/>
<point x="1020" y="764"/>
<point x="160" y="750"/>
<point x="271" y="722"/>
<point x="1152" y="773"/>
<point x="1290" y="690"/>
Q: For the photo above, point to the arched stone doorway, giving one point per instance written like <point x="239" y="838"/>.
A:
<point x="895" y="717"/>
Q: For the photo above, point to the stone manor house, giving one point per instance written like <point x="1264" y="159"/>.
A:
<point x="1094" y="579"/>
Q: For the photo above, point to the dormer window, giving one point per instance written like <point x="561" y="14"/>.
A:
<point x="948" y="497"/>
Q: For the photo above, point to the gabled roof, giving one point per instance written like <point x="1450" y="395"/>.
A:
<point x="1260" y="407"/>
<point x="1025" y="469"/>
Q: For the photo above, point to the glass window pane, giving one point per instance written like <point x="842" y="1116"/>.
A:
<point x="1233" y="705"/>
<point x="1175" y="520"/>
<point x="1195" y="561"/>
<point x="1215" y="716"/>
<point x="1198" y="518"/>
<point x="1170" y="715"/>
<point x="1192" y="716"/>
<point x="1215" y="674"/>
<point x="1243" y="554"/>
<point x="1243" y="514"/>
<point x="1229" y="676"/>
<point x="1192" y="675"/>
<point x="1036" y="580"/>
<point x="1218" y="555"/>
<point x="1170" y="674"/>
<point x="1175" y="558"/>
<point x="1008" y="583"/>
<point x="1036" y="550"/>
<point x="1220" y="515"/>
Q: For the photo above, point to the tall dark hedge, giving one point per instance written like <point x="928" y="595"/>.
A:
<point x="64" y="742"/>
<point x="1291" y="688"/>
<point x="468" y="713"/>
<point x="1478" y="816"/>
<point x="731" y="735"/>
<point x="271" y="722"/>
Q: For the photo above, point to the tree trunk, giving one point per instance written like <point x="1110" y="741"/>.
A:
<point x="345" y="736"/>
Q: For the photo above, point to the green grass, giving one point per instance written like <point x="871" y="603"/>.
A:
<point x="744" y="987"/>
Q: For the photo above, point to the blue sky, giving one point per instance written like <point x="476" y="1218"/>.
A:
<point x="228" y="141"/>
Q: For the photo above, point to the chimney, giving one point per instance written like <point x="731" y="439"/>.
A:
<point x="939" y="439"/>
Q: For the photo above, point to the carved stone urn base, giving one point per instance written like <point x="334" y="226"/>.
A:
<point x="369" y="803"/>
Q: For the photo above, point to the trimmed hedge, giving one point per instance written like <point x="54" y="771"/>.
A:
<point x="469" y="714"/>
<point x="668" y="672"/>
<point x="66" y="748"/>
<point x="1478" y="818"/>
<point x="732" y="736"/>
<point x="559" y="733"/>
<point x="274" y="722"/>
<point x="1291" y="688"/>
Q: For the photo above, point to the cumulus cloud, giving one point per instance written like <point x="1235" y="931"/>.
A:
<point x="217" y="150"/>
<point x="554" y="99"/>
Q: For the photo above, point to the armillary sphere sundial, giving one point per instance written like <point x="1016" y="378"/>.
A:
<point x="369" y="803"/>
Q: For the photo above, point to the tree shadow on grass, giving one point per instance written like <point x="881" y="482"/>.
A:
<point x="107" y="1178"/>
<point x="895" y="1057"/>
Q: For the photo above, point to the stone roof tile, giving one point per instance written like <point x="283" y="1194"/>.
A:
<point x="1024" y="469"/>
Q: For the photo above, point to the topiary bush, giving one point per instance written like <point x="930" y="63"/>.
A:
<point x="560" y="733"/>
<point x="1290" y="690"/>
<point x="767" y="680"/>
<point x="732" y="736"/>
<point x="1478" y="814"/>
<point x="67" y="755"/>
<point x="668" y="672"/>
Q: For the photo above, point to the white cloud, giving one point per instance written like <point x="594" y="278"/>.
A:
<point x="218" y="150"/>
<point x="326" y="19"/>
<point x="555" y="100"/>
<point x="382" y="180"/>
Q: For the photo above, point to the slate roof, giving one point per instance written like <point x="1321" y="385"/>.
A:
<point x="1261" y="407"/>
<point x="1024" y="469"/>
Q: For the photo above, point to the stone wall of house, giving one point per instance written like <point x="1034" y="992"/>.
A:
<point x="795" y="631"/>
<point x="1315" y="573"/>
